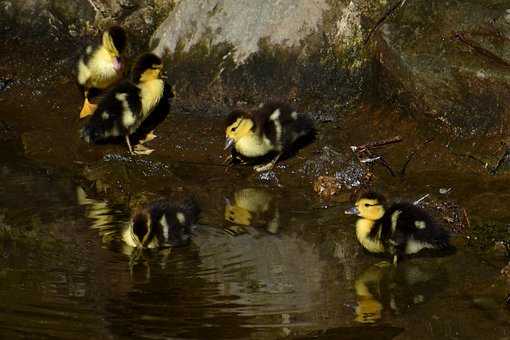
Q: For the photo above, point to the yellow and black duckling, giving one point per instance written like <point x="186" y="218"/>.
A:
<point x="252" y="207"/>
<point x="273" y="128"/>
<point x="101" y="66"/>
<point x="402" y="229"/>
<point x="162" y="224"/>
<point x="131" y="105"/>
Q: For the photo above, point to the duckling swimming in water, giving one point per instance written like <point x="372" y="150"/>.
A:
<point x="124" y="109"/>
<point x="273" y="128"/>
<point x="402" y="229"/>
<point x="101" y="66"/>
<point x="161" y="224"/>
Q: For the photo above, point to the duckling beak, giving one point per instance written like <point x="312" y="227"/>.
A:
<point x="117" y="64"/>
<point x="352" y="211"/>
<point x="228" y="143"/>
<point x="87" y="109"/>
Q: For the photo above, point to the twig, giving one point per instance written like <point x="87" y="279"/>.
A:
<point x="466" y="155"/>
<point x="480" y="50"/>
<point x="466" y="217"/>
<point x="370" y="160"/>
<point x="500" y="162"/>
<point x="377" y="144"/>
<point x="418" y="201"/>
<point x="411" y="156"/>
<point x="398" y="4"/>
<point x="386" y="165"/>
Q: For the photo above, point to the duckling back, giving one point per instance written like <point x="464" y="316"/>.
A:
<point x="414" y="227"/>
<point x="282" y="124"/>
<point x="118" y="114"/>
<point x="172" y="223"/>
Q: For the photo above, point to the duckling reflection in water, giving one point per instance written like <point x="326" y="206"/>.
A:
<point x="403" y="228"/>
<point x="253" y="207"/>
<point x="398" y="289"/>
<point x="162" y="224"/>
<point x="159" y="225"/>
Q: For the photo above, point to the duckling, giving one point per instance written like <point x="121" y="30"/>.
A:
<point x="101" y="66"/>
<point x="161" y="224"/>
<point x="251" y="207"/>
<point x="402" y="229"/>
<point x="127" y="106"/>
<point x="273" y="128"/>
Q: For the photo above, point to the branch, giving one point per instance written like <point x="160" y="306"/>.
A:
<point x="411" y="156"/>
<point x="480" y="50"/>
<point x="389" y="12"/>
<point x="377" y="144"/>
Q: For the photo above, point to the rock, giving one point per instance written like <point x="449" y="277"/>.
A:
<point x="448" y="212"/>
<point x="451" y="62"/>
<point x="225" y="52"/>
<point x="60" y="18"/>
<point x="241" y="23"/>
<point x="333" y="172"/>
<point x="505" y="271"/>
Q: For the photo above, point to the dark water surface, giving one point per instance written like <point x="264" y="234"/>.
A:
<point x="295" y="271"/>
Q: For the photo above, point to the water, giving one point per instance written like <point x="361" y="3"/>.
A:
<point x="278" y="267"/>
<point x="267" y="259"/>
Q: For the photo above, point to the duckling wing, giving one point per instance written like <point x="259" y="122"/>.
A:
<point x="83" y="71"/>
<point x="411" y="222"/>
<point x="281" y="124"/>
<point x="118" y="113"/>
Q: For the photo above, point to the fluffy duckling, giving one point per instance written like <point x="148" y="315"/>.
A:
<point x="273" y="128"/>
<point x="402" y="229"/>
<point x="124" y="109"/>
<point x="253" y="207"/>
<point x="161" y="224"/>
<point x="101" y="66"/>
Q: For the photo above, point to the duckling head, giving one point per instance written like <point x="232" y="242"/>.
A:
<point x="238" y="125"/>
<point x="148" y="67"/>
<point x="142" y="229"/>
<point x="370" y="206"/>
<point x="114" y="40"/>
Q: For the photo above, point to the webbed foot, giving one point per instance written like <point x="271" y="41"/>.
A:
<point x="139" y="149"/>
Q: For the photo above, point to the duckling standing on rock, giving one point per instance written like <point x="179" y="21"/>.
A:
<point x="273" y="128"/>
<point x="402" y="229"/>
<point x="101" y="66"/>
<point x="161" y="224"/>
<point x="128" y="105"/>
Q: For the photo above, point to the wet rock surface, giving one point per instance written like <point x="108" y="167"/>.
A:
<point x="450" y="61"/>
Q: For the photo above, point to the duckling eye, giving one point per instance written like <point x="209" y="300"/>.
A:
<point x="233" y="129"/>
<point x="367" y="205"/>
